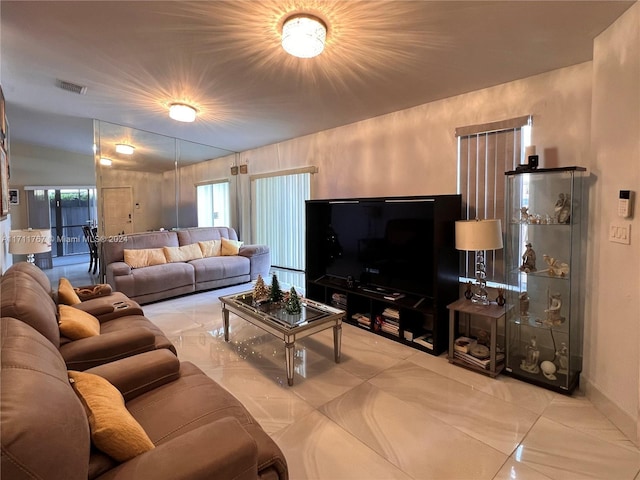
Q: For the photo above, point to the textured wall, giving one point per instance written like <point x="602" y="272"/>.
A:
<point x="612" y="336"/>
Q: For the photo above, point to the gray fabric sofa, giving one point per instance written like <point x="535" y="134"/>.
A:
<point x="157" y="282"/>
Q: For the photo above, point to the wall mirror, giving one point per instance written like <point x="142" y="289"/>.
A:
<point x="141" y="191"/>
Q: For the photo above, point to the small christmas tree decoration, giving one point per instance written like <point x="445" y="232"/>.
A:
<point x="260" y="290"/>
<point x="293" y="305"/>
<point x="276" y="293"/>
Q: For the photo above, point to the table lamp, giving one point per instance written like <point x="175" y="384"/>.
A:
<point x="479" y="235"/>
<point x="29" y="242"/>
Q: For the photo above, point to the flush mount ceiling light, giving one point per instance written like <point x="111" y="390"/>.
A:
<point x="303" y="35"/>
<point x="124" y="149"/>
<point x="182" y="112"/>
<point x="105" y="161"/>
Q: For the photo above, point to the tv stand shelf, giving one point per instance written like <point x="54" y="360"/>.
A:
<point x="351" y="243"/>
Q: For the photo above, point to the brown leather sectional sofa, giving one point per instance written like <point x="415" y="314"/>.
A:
<point x="198" y="429"/>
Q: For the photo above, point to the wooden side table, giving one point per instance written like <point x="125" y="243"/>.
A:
<point x="494" y="313"/>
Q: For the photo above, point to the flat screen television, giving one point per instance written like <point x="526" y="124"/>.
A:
<point x="384" y="244"/>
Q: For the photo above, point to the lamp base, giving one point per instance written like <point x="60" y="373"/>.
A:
<point x="480" y="299"/>
<point x="31" y="258"/>
<point x="480" y="296"/>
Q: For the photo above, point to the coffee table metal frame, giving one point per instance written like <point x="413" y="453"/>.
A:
<point x="314" y="318"/>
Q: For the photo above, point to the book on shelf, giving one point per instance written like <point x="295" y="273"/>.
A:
<point x="464" y="344"/>
<point x="393" y="296"/>
<point x="425" y="340"/>
<point x="482" y="363"/>
<point x="363" y="320"/>
<point x="391" y="313"/>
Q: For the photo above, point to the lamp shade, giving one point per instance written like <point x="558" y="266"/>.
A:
<point x="30" y="241"/>
<point x="476" y="235"/>
<point x="303" y="35"/>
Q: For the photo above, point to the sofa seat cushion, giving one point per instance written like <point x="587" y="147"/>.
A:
<point x="195" y="400"/>
<point x="158" y="278"/>
<point x="128" y="322"/>
<point x="218" y="268"/>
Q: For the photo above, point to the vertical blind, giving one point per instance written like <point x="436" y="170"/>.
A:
<point x="485" y="153"/>
<point x="278" y="214"/>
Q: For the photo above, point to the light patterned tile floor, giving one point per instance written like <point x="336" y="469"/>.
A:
<point x="391" y="412"/>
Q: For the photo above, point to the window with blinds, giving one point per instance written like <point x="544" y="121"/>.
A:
<point x="485" y="153"/>
<point x="213" y="204"/>
<point x="278" y="215"/>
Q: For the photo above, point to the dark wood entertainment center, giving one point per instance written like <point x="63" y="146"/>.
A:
<point x="423" y="289"/>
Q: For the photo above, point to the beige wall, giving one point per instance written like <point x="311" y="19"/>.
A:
<point x="413" y="152"/>
<point x="612" y="334"/>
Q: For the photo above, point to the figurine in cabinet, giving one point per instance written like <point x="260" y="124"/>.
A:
<point x="524" y="304"/>
<point x="563" y="359"/>
<point x="556" y="268"/>
<point x="528" y="259"/>
<point x="553" y="310"/>
<point x="562" y="208"/>
<point x="530" y="362"/>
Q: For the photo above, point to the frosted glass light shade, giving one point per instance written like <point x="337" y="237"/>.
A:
<point x="475" y="235"/>
<point x="124" y="149"/>
<point x="106" y="161"/>
<point x="182" y="112"/>
<point x="303" y="36"/>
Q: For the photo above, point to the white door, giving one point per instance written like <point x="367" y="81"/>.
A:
<point x="117" y="210"/>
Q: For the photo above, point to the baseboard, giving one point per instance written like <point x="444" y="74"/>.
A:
<point x="622" y="420"/>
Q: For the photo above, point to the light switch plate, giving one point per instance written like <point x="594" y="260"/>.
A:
<point x="620" y="232"/>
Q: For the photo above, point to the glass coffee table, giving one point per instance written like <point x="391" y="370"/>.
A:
<point x="273" y="319"/>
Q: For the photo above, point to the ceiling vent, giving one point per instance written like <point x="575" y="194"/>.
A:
<point x="71" y="87"/>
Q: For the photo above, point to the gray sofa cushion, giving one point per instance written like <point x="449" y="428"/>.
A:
<point x="217" y="268"/>
<point x="202" y="234"/>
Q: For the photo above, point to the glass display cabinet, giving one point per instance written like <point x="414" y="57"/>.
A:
<point x="544" y="248"/>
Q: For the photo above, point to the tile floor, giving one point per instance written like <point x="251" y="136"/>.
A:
<point x="391" y="412"/>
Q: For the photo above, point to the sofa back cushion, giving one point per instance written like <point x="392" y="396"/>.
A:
<point x="34" y="272"/>
<point x="188" y="236"/>
<point x="183" y="253"/>
<point x="113" y="250"/>
<point x="25" y="299"/>
<point x="45" y="431"/>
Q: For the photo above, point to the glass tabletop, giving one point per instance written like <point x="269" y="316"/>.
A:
<point x="310" y="311"/>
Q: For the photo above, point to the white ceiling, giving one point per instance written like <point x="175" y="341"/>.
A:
<point x="224" y="56"/>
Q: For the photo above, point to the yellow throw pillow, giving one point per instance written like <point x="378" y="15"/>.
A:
<point x="144" y="257"/>
<point x="76" y="324"/>
<point x="182" y="254"/>
<point x="66" y="293"/>
<point x="210" y="248"/>
<point x="113" y="428"/>
<point x="230" y="247"/>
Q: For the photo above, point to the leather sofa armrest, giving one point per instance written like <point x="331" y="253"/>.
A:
<point x="108" y="347"/>
<point x="220" y="450"/>
<point x="118" y="268"/>
<point x="87" y="292"/>
<point x="105" y="309"/>
<point x="139" y="374"/>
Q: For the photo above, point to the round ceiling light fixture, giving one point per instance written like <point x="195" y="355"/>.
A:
<point x="125" y="149"/>
<point x="303" y="35"/>
<point x="182" y="112"/>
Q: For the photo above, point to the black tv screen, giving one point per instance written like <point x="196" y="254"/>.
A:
<point x="386" y="244"/>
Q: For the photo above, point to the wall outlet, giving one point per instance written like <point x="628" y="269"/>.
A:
<point x="620" y="233"/>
